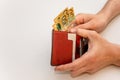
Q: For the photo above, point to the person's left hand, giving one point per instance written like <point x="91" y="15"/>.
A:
<point x="100" y="54"/>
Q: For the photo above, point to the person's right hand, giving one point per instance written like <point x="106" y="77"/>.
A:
<point x="96" y="22"/>
<point x="100" y="54"/>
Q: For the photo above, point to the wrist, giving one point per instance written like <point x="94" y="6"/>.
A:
<point x="110" y="10"/>
<point x="106" y="16"/>
<point x="116" y="54"/>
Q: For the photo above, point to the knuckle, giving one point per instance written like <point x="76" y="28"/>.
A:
<point x="73" y="74"/>
<point x="93" y="33"/>
<point x="90" y="71"/>
<point x="92" y="25"/>
<point x="72" y="65"/>
<point x="63" y="68"/>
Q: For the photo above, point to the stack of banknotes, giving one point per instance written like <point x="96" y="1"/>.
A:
<point x="63" y="20"/>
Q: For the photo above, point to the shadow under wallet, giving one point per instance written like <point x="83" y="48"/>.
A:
<point x="66" y="47"/>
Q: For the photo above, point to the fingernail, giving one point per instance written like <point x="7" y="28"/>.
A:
<point x="73" y="30"/>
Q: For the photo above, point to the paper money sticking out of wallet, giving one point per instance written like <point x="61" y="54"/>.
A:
<point x="66" y="46"/>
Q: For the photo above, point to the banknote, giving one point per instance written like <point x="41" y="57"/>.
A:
<point x="63" y="20"/>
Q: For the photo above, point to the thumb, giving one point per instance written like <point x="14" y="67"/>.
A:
<point x="89" y="34"/>
<point x="83" y="33"/>
<point x="90" y="25"/>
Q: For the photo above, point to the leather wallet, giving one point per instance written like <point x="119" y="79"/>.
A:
<point x="66" y="47"/>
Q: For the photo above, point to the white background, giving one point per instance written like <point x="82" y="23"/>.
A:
<point x="25" y="39"/>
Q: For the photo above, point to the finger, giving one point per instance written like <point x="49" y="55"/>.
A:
<point x="91" y="35"/>
<point x="83" y="18"/>
<point x="83" y="65"/>
<point x="72" y="29"/>
<point x="78" y="72"/>
<point x="82" y="61"/>
<point x="71" y="26"/>
<point x="79" y="19"/>
<point x="66" y="67"/>
<point x="83" y="33"/>
<point x="90" y="25"/>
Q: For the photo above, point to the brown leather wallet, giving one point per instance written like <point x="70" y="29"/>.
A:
<point x="66" y="47"/>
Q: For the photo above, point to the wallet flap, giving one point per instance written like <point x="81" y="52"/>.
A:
<point x="61" y="48"/>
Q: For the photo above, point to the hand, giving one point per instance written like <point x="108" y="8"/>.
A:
<point x="95" y="22"/>
<point x="100" y="54"/>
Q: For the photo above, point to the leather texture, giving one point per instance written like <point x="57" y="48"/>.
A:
<point x="62" y="48"/>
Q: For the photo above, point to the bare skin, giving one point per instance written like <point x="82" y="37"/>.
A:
<point x="99" y="21"/>
<point x="101" y="53"/>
